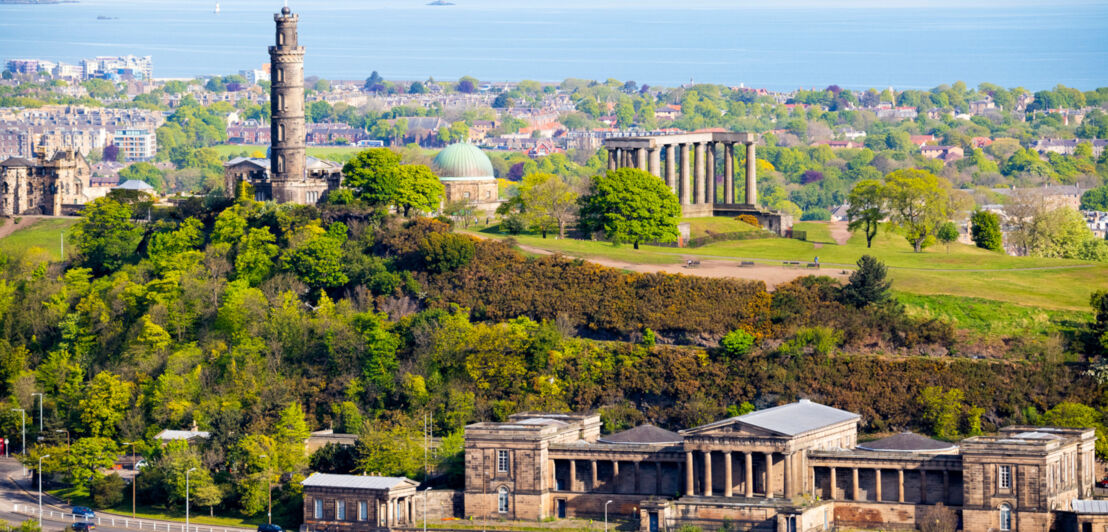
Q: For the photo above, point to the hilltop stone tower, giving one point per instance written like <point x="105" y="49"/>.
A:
<point x="288" y="152"/>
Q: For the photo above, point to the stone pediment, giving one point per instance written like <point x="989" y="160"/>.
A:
<point x="731" y="428"/>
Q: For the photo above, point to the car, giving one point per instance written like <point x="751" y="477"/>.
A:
<point x="141" y="463"/>
<point x="270" y="528"/>
<point x="82" y="526"/>
<point x="1102" y="483"/>
<point x="84" y="512"/>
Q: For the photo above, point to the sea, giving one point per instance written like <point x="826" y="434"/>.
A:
<point x="775" y="45"/>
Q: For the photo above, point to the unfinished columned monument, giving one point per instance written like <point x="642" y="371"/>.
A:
<point x="687" y="163"/>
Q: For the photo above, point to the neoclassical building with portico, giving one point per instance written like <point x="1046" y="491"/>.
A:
<point x="794" y="467"/>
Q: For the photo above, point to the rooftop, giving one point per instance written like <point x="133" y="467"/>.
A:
<point x="791" y="419"/>
<point x="168" y="435"/>
<point x="908" y="442"/>
<point x="328" y="480"/>
<point x="643" y="435"/>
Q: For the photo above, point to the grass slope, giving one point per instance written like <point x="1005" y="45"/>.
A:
<point x="331" y="153"/>
<point x="42" y="232"/>
<point x="78" y="496"/>
<point x="966" y="271"/>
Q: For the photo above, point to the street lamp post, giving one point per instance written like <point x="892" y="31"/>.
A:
<point x="39" y="394"/>
<point x="268" y="490"/>
<point x="187" y="529"/>
<point x="606" y="514"/>
<point x="426" y="492"/>
<point x="134" y="479"/>
<point x="66" y="431"/>
<point x="40" y="489"/>
<point x="23" y="416"/>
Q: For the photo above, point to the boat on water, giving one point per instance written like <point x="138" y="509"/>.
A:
<point x="440" y="3"/>
<point x="105" y="17"/>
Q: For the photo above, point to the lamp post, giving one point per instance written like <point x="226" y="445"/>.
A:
<point x="66" y="431"/>
<point x="606" y="514"/>
<point x="39" y="394"/>
<point x="187" y="498"/>
<point x="426" y="492"/>
<point x="268" y="490"/>
<point x="134" y="479"/>
<point x="23" y="416"/>
<point x="40" y="489"/>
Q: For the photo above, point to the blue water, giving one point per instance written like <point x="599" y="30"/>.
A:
<point x="776" y="47"/>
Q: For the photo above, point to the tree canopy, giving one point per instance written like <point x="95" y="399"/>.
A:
<point x="631" y="205"/>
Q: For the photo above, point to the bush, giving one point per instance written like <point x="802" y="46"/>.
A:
<point x="107" y="491"/>
<point x="748" y="219"/>
<point x="816" y="214"/>
<point x="737" y="342"/>
<point x="985" y="230"/>
<point x="867" y="284"/>
<point x="512" y="224"/>
<point x="444" y="252"/>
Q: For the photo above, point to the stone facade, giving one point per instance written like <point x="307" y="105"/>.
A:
<point x="687" y="163"/>
<point x="797" y="467"/>
<point x="44" y="185"/>
<point x="347" y="503"/>
<point x="483" y="193"/>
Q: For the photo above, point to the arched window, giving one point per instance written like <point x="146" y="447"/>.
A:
<point x="1005" y="517"/>
<point x="280" y="74"/>
<point x="4" y="188"/>
<point x="280" y="132"/>
<point x="281" y="102"/>
<point x="502" y="499"/>
<point x="280" y="39"/>
<point x="280" y="163"/>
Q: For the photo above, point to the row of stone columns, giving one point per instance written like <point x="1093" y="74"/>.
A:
<point x="594" y="480"/>
<point x="748" y="471"/>
<point x="694" y="180"/>
<point x="878" y="495"/>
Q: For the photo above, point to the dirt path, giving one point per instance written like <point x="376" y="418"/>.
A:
<point x="839" y="232"/>
<point x="771" y="275"/>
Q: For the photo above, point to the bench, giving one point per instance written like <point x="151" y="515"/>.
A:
<point x="813" y="265"/>
<point x="746" y="264"/>
<point x="692" y="263"/>
<point x="791" y="263"/>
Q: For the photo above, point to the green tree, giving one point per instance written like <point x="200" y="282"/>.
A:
<point x="919" y="202"/>
<point x="738" y="342"/>
<point x="868" y="284"/>
<point x="1099" y="327"/>
<point x="391" y="450"/>
<point x="374" y="175"/>
<point x="1095" y="199"/>
<point x="418" y="189"/>
<point x="316" y="257"/>
<point x="985" y="230"/>
<point x="289" y="436"/>
<point x="1077" y="415"/>
<point x="631" y="205"/>
<point x="107" y="491"/>
<point x="443" y="252"/>
<point x="105" y="235"/>
<point x="947" y="234"/>
<point x="145" y="172"/>
<point x="548" y="202"/>
<point x="942" y="410"/>
<point x="867" y="208"/>
<point x="255" y="254"/>
<point x="87" y="457"/>
<point x="1060" y="232"/>
<point x="104" y="404"/>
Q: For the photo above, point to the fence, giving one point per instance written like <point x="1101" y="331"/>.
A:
<point x="120" y="522"/>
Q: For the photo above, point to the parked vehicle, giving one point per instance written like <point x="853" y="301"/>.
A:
<point x="141" y="463"/>
<point x="1102" y="483"/>
<point x="84" y="512"/>
<point x="82" y="526"/>
<point x="270" y="528"/>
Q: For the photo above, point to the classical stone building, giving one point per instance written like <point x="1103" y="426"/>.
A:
<point x="796" y="467"/>
<point x="467" y="175"/>
<point x="687" y="163"/>
<point x="44" y="185"/>
<point x="289" y="175"/>
<point x="347" y="503"/>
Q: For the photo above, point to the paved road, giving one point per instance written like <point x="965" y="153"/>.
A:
<point x="16" y="489"/>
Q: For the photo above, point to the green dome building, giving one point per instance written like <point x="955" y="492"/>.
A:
<point x="467" y="175"/>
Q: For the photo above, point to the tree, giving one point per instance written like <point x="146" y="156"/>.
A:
<point x="937" y="518"/>
<point x="1099" y="327"/>
<point x="335" y="458"/>
<point x="547" y="202"/>
<point x="146" y="173"/>
<point x="255" y="254"/>
<point x="289" y="436"/>
<point x="106" y="236"/>
<point x="868" y="284"/>
<point x="985" y="230"/>
<point x="104" y="404"/>
<point x="443" y="252"/>
<point x="418" y="189"/>
<point x="417" y="88"/>
<point x="374" y="83"/>
<point x="1095" y="199"/>
<point x="631" y="205"/>
<point x="374" y="175"/>
<point x="738" y="342"/>
<point x="867" y="208"/>
<point x="87" y="457"/>
<point x="107" y="491"/>
<point x="316" y="257"/>
<point x="918" y="203"/>
<point x="1060" y="232"/>
<point x="467" y="85"/>
<point x="948" y="233"/>
<point x="942" y="410"/>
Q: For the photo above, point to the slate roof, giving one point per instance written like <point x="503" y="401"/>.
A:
<point x="907" y="442"/>
<point x="135" y="184"/>
<point x="327" y="480"/>
<point x="13" y="162"/>
<point x="167" y="435"/>
<point x="644" y="435"/>
<point x="791" y="419"/>
<point x="1088" y="506"/>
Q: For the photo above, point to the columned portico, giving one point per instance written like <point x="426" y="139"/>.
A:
<point x="671" y="167"/>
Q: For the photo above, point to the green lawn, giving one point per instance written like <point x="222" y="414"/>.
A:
<point x="41" y="232"/>
<point x="339" y="154"/>
<point x="699" y="227"/>
<point x="966" y="271"/>
<point x="198" y="515"/>
<point x="994" y="318"/>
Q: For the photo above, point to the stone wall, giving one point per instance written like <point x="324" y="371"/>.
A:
<point x="440" y="504"/>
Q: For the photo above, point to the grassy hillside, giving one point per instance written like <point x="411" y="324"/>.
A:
<point x="964" y="271"/>
<point x="332" y="153"/>
<point x="41" y="232"/>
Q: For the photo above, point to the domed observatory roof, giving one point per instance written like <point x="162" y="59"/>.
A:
<point x="463" y="161"/>
<point x="908" y="442"/>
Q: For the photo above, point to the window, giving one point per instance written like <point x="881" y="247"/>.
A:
<point x="280" y="163"/>
<point x="1005" y="517"/>
<point x="280" y="39"/>
<point x="502" y="461"/>
<point x="280" y="74"/>
<point x="318" y="514"/>
<point x="363" y="510"/>
<point x="281" y="102"/>
<point x="280" y="132"/>
<point x="1004" y="477"/>
<point x="502" y="500"/>
<point x="340" y="510"/>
